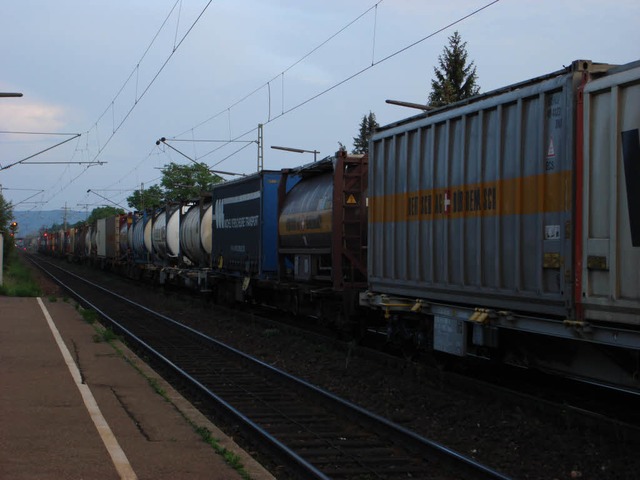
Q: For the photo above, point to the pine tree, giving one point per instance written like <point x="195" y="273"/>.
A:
<point x="455" y="80"/>
<point x="368" y="125"/>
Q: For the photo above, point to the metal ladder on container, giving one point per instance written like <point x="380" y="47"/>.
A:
<point x="349" y="260"/>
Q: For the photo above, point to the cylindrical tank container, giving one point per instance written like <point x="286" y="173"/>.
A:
<point x="139" y="228"/>
<point x="206" y="232"/>
<point x="195" y="234"/>
<point x="147" y="233"/>
<point x="173" y="231"/>
<point x="165" y="234"/>
<point x="305" y="221"/>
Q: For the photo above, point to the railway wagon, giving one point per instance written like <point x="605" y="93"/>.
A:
<point x="293" y="239"/>
<point x="244" y="233"/>
<point x="506" y="226"/>
<point x="322" y="234"/>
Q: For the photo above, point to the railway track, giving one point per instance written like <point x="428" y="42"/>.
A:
<point x="312" y="433"/>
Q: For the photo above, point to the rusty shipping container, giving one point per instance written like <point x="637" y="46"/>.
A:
<point x="108" y="237"/>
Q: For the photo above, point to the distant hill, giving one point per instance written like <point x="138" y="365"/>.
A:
<point x="30" y="222"/>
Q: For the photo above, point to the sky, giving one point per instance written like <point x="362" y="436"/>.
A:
<point x="203" y="74"/>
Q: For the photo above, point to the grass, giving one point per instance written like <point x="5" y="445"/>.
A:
<point x="18" y="279"/>
<point x="230" y="458"/>
<point x="90" y="316"/>
<point x="104" y="335"/>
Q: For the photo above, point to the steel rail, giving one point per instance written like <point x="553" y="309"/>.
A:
<point x="294" y="461"/>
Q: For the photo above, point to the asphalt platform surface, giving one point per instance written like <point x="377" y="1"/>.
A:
<point x="74" y="408"/>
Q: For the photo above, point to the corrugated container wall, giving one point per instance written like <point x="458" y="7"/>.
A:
<point x="108" y="236"/>
<point x="611" y="248"/>
<point x="101" y="237"/>
<point x="473" y="204"/>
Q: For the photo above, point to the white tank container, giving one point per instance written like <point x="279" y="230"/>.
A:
<point x="195" y="234"/>
<point x="173" y="231"/>
<point x="148" y="244"/>
<point x="206" y="227"/>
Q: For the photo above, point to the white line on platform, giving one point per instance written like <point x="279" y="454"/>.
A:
<point x="117" y="454"/>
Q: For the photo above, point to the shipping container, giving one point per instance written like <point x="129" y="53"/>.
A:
<point x="609" y="275"/>
<point x="108" y="237"/>
<point x="245" y="225"/>
<point x="473" y="204"/>
<point x="507" y="226"/>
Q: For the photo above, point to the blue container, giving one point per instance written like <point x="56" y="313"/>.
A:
<point x="245" y="225"/>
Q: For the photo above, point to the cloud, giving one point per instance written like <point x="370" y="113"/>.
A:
<point x="31" y="117"/>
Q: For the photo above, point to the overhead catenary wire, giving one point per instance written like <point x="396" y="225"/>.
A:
<point x="176" y="46"/>
<point x="373" y="64"/>
<point x="271" y="117"/>
<point x="5" y="167"/>
<point x="99" y="146"/>
<point x="281" y="75"/>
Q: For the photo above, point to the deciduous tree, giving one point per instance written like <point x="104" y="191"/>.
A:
<point x="184" y="182"/>
<point x="151" y="197"/>
<point x="103" y="212"/>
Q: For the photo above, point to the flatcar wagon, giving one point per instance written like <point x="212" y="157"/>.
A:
<point x="507" y="226"/>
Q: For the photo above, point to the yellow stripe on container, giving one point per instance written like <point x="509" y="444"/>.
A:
<point x="518" y="196"/>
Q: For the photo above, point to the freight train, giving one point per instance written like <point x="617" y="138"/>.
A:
<point x="294" y="239"/>
<point x="505" y="226"/>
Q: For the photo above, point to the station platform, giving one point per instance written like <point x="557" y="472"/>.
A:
<point x="74" y="408"/>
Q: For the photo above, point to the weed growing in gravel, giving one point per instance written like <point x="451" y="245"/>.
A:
<point x="107" y="335"/>
<point x="90" y="316"/>
<point x="53" y="298"/>
<point x="229" y="457"/>
<point x="155" y="384"/>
